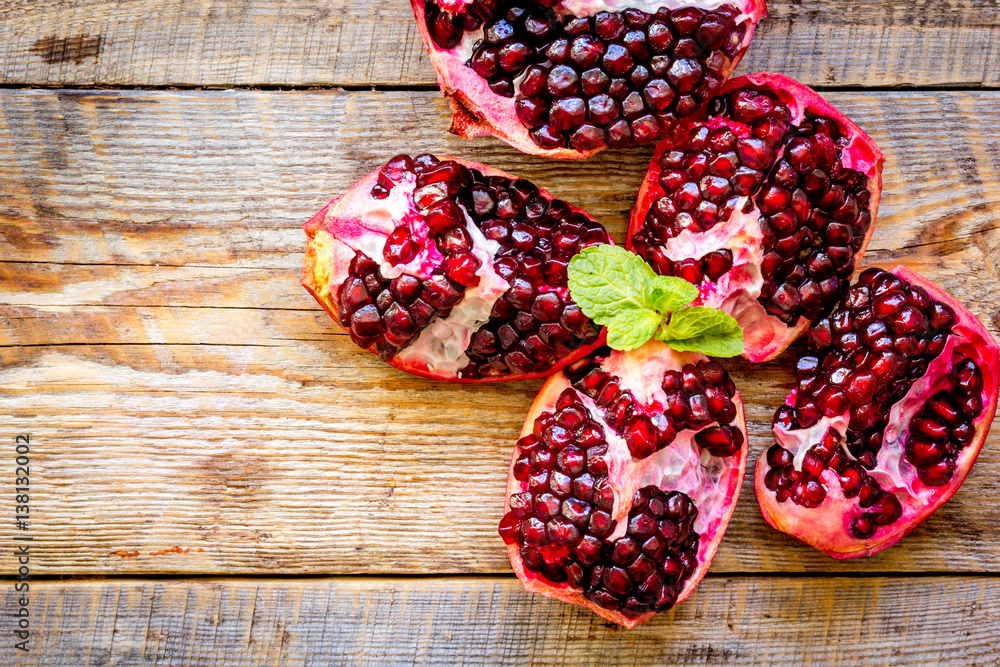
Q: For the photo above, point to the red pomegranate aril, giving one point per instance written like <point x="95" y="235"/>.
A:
<point x="937" y="474"/>
<point x="863" y="527"/>
<point x="640" y="436"/>
<point x="886" y="509"/>
<point x="366" y="322"/>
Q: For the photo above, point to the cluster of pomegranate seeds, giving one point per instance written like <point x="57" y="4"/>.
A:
<point x="862" y="360"/>
<point x="532" y="326"/>
<point x="814" y="212"/>
<point x="696" y="396"/>
<point x="536" y="322"/>
<point x="943" y="427"/>
<point x="396" y="314"/>
<point x="447" y="27"/>
<point x="562" y="520"/>
<point x="613" y="79"/>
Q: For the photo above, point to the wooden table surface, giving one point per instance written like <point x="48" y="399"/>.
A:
<point x="219" y="477"/>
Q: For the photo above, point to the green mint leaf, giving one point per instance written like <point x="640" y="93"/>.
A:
<point x="605" y="280"/>
<point x="670" y="293"/>
<point x="632" y="328"/>
<point x="705" y="330"/>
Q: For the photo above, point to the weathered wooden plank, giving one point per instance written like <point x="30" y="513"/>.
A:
<point x="296" y="459"/>
<point x="224" y="178"/>
<point x="480" y="621"/>
<point x="320" y="43"/>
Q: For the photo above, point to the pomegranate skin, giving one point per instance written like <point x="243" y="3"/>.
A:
<point x="346" y="224"/>
<point x="714" y="493"/>
<point x="828" y="527"/>
<point x="737" y="289"/>
<point x="478" y="111"/>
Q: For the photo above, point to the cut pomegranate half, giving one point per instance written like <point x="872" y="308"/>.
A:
<point x="765" y="200"/>
<point x="896" y="393"/>
<point x="624" y="479"/>
<point x="565" y="79"/>
<point x="453" y="271"/>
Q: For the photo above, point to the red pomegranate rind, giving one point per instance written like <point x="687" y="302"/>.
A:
<point x="682" y="474"/>
<point x="644" y="68"/>
<point x="734" y="255"/>
<point x="873" y="502"/>
<point x="453" y="271"/>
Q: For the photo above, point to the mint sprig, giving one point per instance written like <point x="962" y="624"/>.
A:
<point x="618" y="290"/>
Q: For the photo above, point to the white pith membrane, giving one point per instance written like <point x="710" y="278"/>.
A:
<point x="479" y="111"/>
<point x="711" y="482"/>
<point x="827" y="527"/>
<point x="736" y="292"/>
<point x="364" y="223"/>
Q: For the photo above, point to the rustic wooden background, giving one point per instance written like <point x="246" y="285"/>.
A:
<point x="219" y="477"/>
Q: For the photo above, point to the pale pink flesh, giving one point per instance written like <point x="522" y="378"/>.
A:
<point x="828" y="527"/>
<point x="478" y="111"/>
<point x="765" y="336"/>
<point x="715" y="499"/>
<point x="348" y="220"/>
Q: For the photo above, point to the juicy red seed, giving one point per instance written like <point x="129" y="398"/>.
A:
<point x="886" y="509"/>
<point x="640" y="436"/>
<point x="850" y="481"/>
<point x="924" y="452"/>
<point x="778" y="456"/>
<point x="812" y="465"/>
<point x="937" y="474"/>
<point x="809" y="493"/>
<point x="716" y="264"/>
<point x="509" y="528"/>
<point x="869" y="492"/>
<point x="366" y="322"/>
<point x="863" y="527"/>
<point x="754" y="153"/>
<point x="720" y="440"/>
<point x="461" y="268"/>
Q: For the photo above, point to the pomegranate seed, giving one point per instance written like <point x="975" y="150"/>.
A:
<point x="937" y="474"/>
<point x="863" y="527"/>
<point x="886" y="510"/>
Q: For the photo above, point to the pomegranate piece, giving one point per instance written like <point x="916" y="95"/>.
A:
<point x="896" y="393"/>
<point x="617" y="499"/>
<point x="765" y="200"/>
<point x="566" y="79"/>
<point x="454" y="271"/>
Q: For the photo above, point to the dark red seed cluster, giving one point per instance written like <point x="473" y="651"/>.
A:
<point x="814" y="211"/>
<point x="802" y="486"/>
<point x="613" y="79"/>
<point x="863" y="359"/>
<point x="805" y="488"/>
<point x="944" y="427"/>
<point x="446" y="29"/>
<point x="562" y="521"/>
<point x="398" y="312"/>
<point x="696" y="397"/>
<point x="532" y="325"/>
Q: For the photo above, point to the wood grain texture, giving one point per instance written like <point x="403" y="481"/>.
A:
<point x="341" y="43"/>
<point x="182" y="390"/>
<point x="482" y="621"/>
